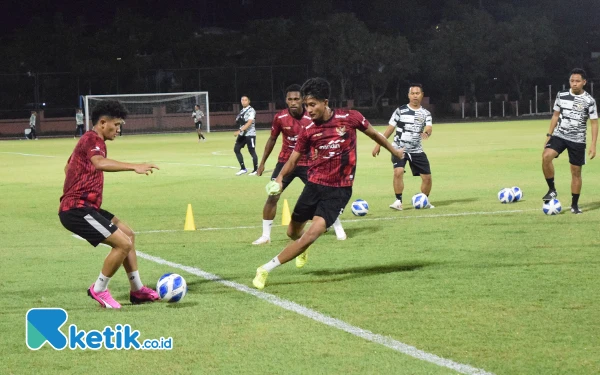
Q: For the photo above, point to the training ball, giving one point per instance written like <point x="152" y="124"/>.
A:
<point x="360" y="207"/>
<point x="506" y="196"/>
<point x="171" y="287"/>
<point x="552" y="207"/>
<point x="518" y="193"/>
<point x="420" y="201"/>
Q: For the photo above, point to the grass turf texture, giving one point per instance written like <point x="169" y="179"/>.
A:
<point x="511" y="293"/>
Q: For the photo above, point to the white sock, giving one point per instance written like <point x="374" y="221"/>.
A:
<point x="101" y="284"/>
<point x="267" y="228"/>
<point x="271" y="264"/>
<point x="135" y="281"/>
<point x="337" y="226"/>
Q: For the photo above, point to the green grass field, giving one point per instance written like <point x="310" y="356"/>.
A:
<point x="501" y="288"/>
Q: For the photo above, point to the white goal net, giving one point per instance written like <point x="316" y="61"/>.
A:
<point x="156" y="113"/>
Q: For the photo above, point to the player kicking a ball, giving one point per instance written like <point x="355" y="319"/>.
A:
<point x="80" y="210"/>
<point x="289" y="122"/>
<point x="332" y="136"/>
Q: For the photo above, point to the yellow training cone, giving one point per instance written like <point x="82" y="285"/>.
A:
<point x="189" y="219"/>
<point x="286" y="217"/>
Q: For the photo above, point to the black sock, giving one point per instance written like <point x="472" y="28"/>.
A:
<point x="202" y="135"/>
<point x="199" y="136"/>
<point x="399" y="197"/>
<point x="550" y="182"/>
<point x="575" y="201"/>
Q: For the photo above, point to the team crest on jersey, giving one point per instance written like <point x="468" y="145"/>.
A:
<point x="578" y="106"/>
<point x="341" y="131"/>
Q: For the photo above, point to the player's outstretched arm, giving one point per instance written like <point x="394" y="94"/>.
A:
<point x="592" y="152"/>
<point x="109" y="165"/>
<point x="382" y="141"/>
<point x="388" y="131"/>
<point x="553" y="123"/>
<point x="268" y="149"/>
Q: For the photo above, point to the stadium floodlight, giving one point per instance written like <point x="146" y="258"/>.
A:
<point x="155" y="113"/>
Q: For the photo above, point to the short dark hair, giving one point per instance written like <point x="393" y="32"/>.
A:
<point x="415" y="84"/>
<point x="247" y="97"/>
<point x="318" y="88"/>
<point x="579" y="71"/>
<point x="293" y="88"/>
<point x="110" y="108"/>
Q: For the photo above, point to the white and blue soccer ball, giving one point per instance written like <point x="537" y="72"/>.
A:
<point x="420" y="201"/>
<point x="360" y="207"/>
<point x="518" y="193"/>
<point x="171" y="287"/>
<point x="552" y="207"/>
<point x="506" y="195"/>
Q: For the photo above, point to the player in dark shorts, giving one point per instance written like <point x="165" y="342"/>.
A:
<point x="568" y="129"/>
<point x="332" y="136"/>
<point x="288" y="122"/>
<point x="80" y="203"/>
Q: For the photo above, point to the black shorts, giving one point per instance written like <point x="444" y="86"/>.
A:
<point x="324" y="201"/>
<point x="300" y="172"/>
<point x="245" y="140"/>
<point x="419" y="163"/>
<point x="93" y="225"/>
<point x="576" y="150"/>
<point x="199" y="125"/>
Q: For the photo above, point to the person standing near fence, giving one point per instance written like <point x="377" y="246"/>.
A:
<point x="32" y="120"/>
<point x="79" y="123"/>
<point x="568" y="129"/>
<point x="198" y="115"/>
<point x="412" y="124"/>
<point x="246" y="136"/>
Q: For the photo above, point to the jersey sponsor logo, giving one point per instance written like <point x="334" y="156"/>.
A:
<point x="341" y="130"/>
<point x="332" y="144"/>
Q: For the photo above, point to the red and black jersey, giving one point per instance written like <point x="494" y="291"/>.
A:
<point x="83" y="182"/>
<point x="333" y="148"/>
<point x="290" y="127"/>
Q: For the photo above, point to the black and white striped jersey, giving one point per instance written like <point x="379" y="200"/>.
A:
<point x="574" y="113"/>
<point x="409" y="124"/>
<point x="79" y="118"/>
<point x="245" y="115"/>
<point x="197" y="115"/>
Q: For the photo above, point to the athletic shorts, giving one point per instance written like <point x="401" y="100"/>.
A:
<point x="324" y="201"/>
<point x="198" y="125"/>
<point x="245" y="140"/>
<point x="576" y="150"/>
<point x="93" y="225"/>
<point x="300" y="172"/>
<point x="419" y="163"/>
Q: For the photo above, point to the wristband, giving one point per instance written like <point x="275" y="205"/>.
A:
<point x="548" y="135"/>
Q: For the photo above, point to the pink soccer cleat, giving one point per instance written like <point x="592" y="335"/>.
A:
<point x="104" y="298"/>
<point x="143" y="295"/>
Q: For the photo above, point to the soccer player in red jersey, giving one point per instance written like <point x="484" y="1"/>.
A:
<point x="332" y="137"/>
<point x="287" y="122"/>
<point x="80" y="203"/>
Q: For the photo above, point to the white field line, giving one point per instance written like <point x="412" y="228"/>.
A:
<point x="322" y="318"/>
<point x="20" y="153"/>
<point x="221" y="153"/>
<point x="198" y="165"/>
<point x="354" y="220"/>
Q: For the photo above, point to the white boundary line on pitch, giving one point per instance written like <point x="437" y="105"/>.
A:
<point x="351" y="220"/>
<point x="198" y="165"/>
<point x="20" y="153"/>
<point x="322" y="318"/>
<point x="220" y="153"/>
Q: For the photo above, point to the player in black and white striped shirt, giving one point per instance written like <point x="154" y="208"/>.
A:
<point x="412" y="124"/>
<point x="197" y="116"/>
<point x="567" y="131"/>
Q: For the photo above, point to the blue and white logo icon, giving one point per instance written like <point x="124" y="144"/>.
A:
<point x="43" y="325"/>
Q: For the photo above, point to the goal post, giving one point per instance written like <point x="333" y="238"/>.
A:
<point x="155" y="113"/>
